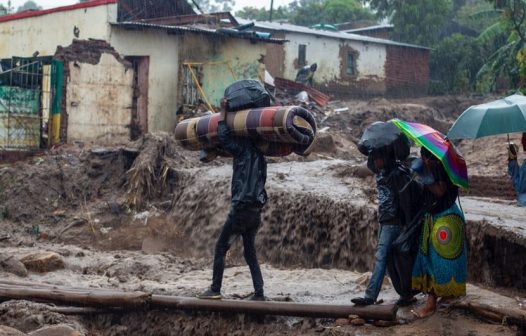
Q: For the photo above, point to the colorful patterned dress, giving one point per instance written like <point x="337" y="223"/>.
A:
<point x="441" y="262"/>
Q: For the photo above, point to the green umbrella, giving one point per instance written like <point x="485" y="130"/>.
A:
<point x="324" y="26"/>
<point x="507" y="115"/>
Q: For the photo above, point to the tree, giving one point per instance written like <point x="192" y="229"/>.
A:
<point x="6" y="9"/>
<point x="508" y="38"/>
<point x="454" y="64"/>
<point x="262" y="14"/>
<point x="211" y="6"/>
<point x="417" y="22"/>
<point x="310" y="12"/>
<point x="28" y="5"/>
<point x="478" y="15"/>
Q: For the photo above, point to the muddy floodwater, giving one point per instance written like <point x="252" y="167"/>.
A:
<point x="144" y="216"/>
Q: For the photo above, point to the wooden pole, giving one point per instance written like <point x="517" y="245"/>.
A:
<point x="373" y="312"/>
<point x="86" y="297"/>
<point x="107" y="298"/>
<point x="495" y="314"/>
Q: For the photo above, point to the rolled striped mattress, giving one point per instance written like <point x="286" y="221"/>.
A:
<point x="277" y="130"/>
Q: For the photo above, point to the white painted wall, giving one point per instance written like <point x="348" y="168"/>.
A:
<point x="99" y="100"/>
<point x="163" y="71"/>
<point x="326" y="53"/>
<point x="44" y="33"/>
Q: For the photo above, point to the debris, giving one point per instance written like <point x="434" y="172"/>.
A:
<point x="342" y="322"/>
<point x="43" y="262"/>
<point x="302" y="97"/>
<point x="8" y="331"/>
<point x="358" y="322"/>
<point x="319" y="97"/>
<point x="12" y="265"/>
<point x="384" y="324"/>
<point x="56" y="330"/>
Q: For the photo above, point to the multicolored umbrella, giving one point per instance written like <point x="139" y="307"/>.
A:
<point x="439" y="146"/>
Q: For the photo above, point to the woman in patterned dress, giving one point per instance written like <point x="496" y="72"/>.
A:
<point x="440" y="268"/>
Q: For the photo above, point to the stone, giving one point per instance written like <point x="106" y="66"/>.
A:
<point x="358" y="322"/>
<point x="342" y="322"/>
<point x="384" y="324"/>
<point x="352" y="317"/>
<point x="8" y="331"/>
<point x="324" y="143"/>
<point x="12" y="265"/>
<point x="56" y="330"/>
<point x="43" y="262"/>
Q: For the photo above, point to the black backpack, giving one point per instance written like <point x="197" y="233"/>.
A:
<point x="245" y="94"/>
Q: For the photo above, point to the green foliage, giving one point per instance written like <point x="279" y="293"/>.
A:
<point x="454" y="63"/>
<point x="506" y="40"/>
<point x="261" y="14"/>
<point x="211" y="6"/>
<point x="311" y="12"/>
<point x="28" y="5"/>
<point x="417" y="22"/>
<point x="478" y="15"/>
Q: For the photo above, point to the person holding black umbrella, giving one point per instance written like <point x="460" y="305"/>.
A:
<point x="398" y="202"/>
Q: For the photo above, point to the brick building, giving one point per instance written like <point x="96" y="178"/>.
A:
<point x="348" y="64"/>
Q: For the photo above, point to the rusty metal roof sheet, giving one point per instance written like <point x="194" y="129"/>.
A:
<point x="193" y="29"/>
<point x="287" y="27"/>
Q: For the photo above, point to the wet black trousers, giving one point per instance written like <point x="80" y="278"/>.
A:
<point x="243" y="222"/>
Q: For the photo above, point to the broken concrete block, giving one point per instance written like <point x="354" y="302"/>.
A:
<point x="43" y="262"/>
<point x="12" y="265"/>
<point x="56" y="330"/>
<point x="8" y="331"/>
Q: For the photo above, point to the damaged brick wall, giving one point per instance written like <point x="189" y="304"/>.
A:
<point x="97" y="92"/>
<point x="88" y="51"/>
<point x="407" y="71"/>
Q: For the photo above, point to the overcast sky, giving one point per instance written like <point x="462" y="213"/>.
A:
<point x="239" y="3"/>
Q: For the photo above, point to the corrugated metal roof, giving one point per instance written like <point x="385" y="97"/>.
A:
<point x="191" y="29"/>
<point x="287" y="27"/>
<point x="378" y="27"/>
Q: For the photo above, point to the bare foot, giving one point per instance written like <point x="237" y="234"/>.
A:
<point x="423" y="312"/>
<point x="428" y="309"/>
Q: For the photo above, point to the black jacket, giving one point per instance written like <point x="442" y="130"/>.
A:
<point x="399" y="197"/>
<point x="249" y="169"/>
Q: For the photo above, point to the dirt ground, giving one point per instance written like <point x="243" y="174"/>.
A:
<point x="144" y="216"/>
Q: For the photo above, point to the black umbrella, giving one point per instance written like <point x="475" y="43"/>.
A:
<point x="384" y="137"/>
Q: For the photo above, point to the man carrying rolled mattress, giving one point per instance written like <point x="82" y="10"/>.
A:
<point x="248" y="197"/>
